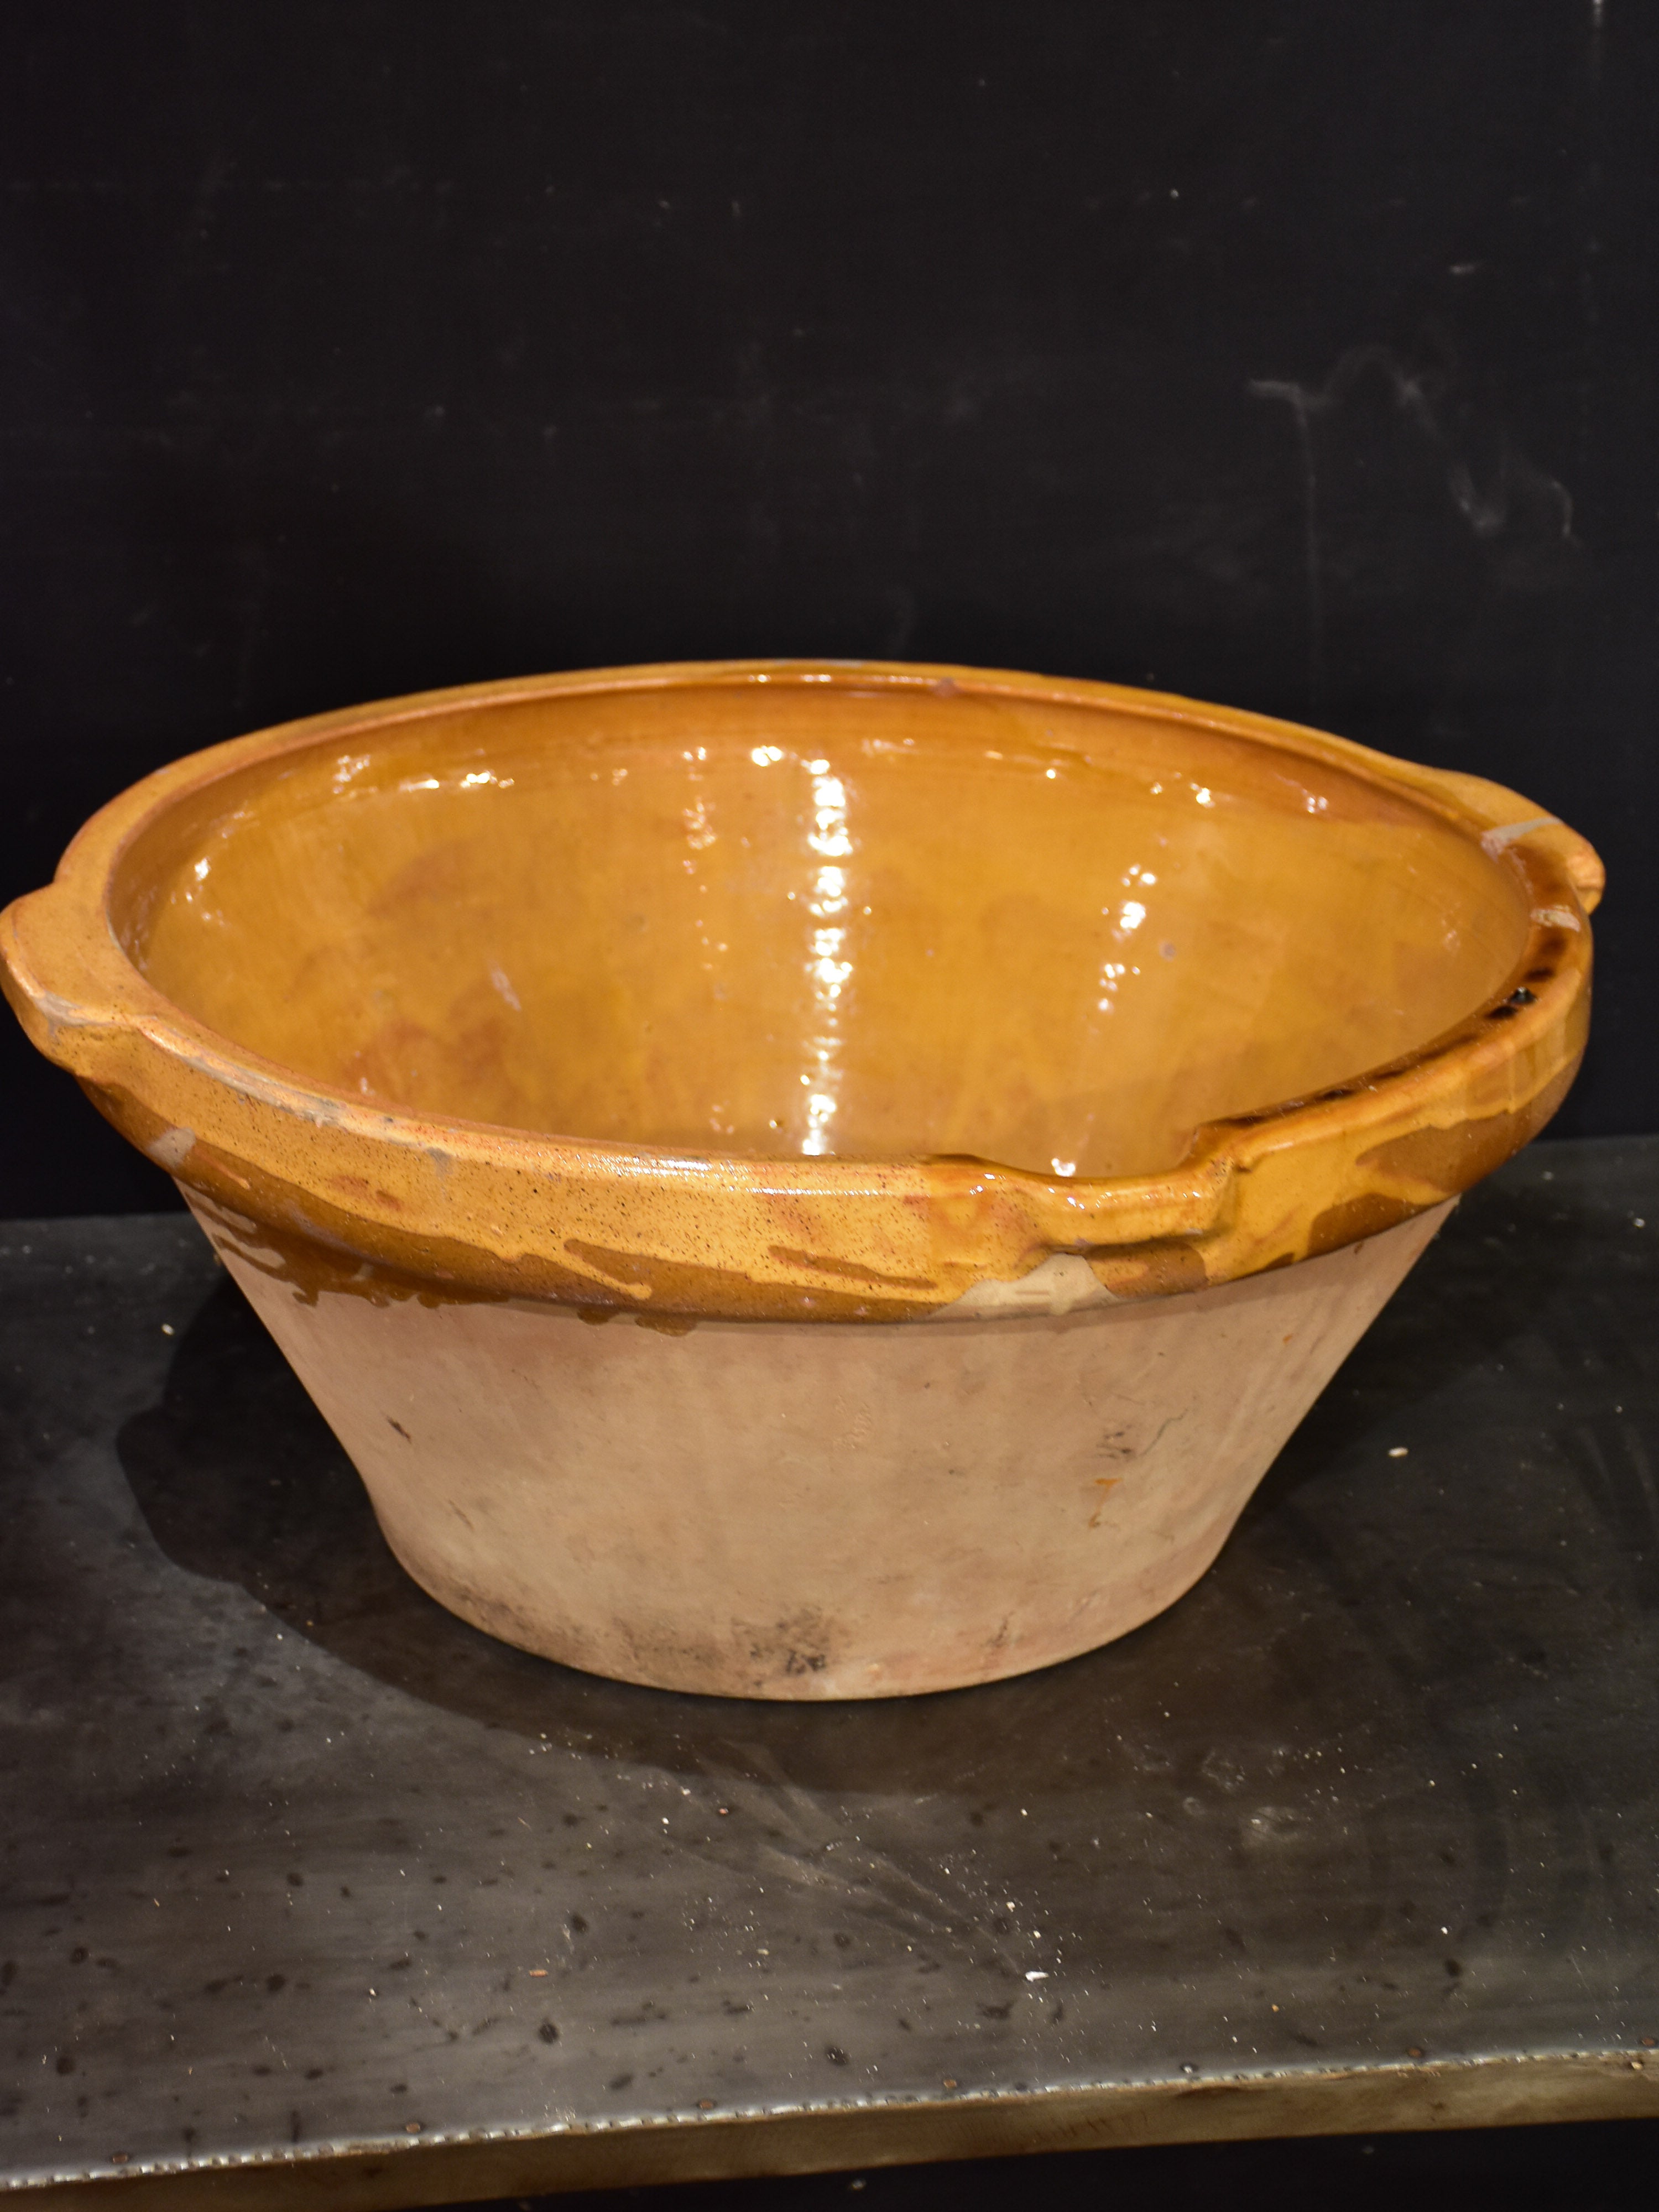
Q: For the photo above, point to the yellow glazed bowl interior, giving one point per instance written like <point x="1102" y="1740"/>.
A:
<point x="914" y="976"/>
<point x="790" y="922"/>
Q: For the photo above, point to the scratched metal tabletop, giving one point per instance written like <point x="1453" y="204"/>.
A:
<point x="297" y="1867"/>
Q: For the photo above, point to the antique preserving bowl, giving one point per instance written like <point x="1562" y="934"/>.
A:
<point x="812" y="1180"/>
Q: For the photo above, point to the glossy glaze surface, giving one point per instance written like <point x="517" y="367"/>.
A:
<point x="792" y="921"/>
<point x="833" y="992"/>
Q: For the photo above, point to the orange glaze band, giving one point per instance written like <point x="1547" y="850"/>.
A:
<point x="367" y="1194"/>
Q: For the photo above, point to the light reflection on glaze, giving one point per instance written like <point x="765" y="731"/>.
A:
<point x="1131" y="913"/>
<point x="828" y="971"/>
<point x="698" y="988"/>
<point x="350" y="767"/>
<point x="700" y="834"/>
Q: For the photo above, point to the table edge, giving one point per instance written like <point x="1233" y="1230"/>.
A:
<point x="1501" y="2090"/>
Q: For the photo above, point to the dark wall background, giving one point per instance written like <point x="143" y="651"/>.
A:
<point x="1298" y="355"/>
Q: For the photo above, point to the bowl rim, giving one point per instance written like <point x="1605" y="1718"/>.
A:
<point x="436" y="1204"/>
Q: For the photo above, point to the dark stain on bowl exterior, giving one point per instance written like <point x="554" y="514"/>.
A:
<point x="1445" y="1161"/>
<point x="679" y="1287"/>
<point x="824" y="1263"/>
<point x="1356" y="1218"/>
<point x="1159" y="1269"/>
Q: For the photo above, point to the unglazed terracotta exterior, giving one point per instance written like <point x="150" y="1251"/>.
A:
<point x="947" y="1081"/>
<point x="769" y="1508"/>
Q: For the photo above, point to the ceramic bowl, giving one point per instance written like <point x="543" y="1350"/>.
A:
<point x="812" y="1180"/>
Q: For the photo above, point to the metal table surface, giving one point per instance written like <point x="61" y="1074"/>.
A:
<point x="297" y="1868"/>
